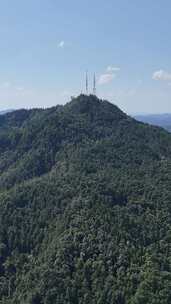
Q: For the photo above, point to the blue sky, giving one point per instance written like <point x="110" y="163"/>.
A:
<point x="47" y="45"/>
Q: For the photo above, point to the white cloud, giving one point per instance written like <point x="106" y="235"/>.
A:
<point x="5" y="85"/>
<point x="8" y="86"/>
<point x="109" y="75"/>
<point x="112" y="69"/>
<point x="106" y="78"/>
<point x="20" y="89"/>
<point x="161" y="75"/>
<point x="61" y="44"/>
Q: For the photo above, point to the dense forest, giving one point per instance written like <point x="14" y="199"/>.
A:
<point x="85" y="207"/>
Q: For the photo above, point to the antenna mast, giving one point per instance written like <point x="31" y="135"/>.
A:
<point x="94" y="84"/>
<point x="86" y="82"/>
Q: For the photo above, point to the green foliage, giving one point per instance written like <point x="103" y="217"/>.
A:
<point x="85" y="213"/>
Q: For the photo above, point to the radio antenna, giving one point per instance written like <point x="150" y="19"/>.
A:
<point x="94" y="84"/>
<point x="86" y="82"/>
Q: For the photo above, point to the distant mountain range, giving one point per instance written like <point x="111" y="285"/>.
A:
<point x="6" y="111"/>
<point x="162" y="120"/>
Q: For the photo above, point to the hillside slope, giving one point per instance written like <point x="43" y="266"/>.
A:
<point x="85" y="213"/>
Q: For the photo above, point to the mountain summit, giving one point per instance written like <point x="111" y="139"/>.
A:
<point x="92" y="104"/>
<point x="84" y="206"/>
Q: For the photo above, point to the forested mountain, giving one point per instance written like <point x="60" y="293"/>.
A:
<point x="85" y="207"/>
<point x="162" y="120"/>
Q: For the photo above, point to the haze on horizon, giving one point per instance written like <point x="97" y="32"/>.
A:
<point x="46" y="47"/>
